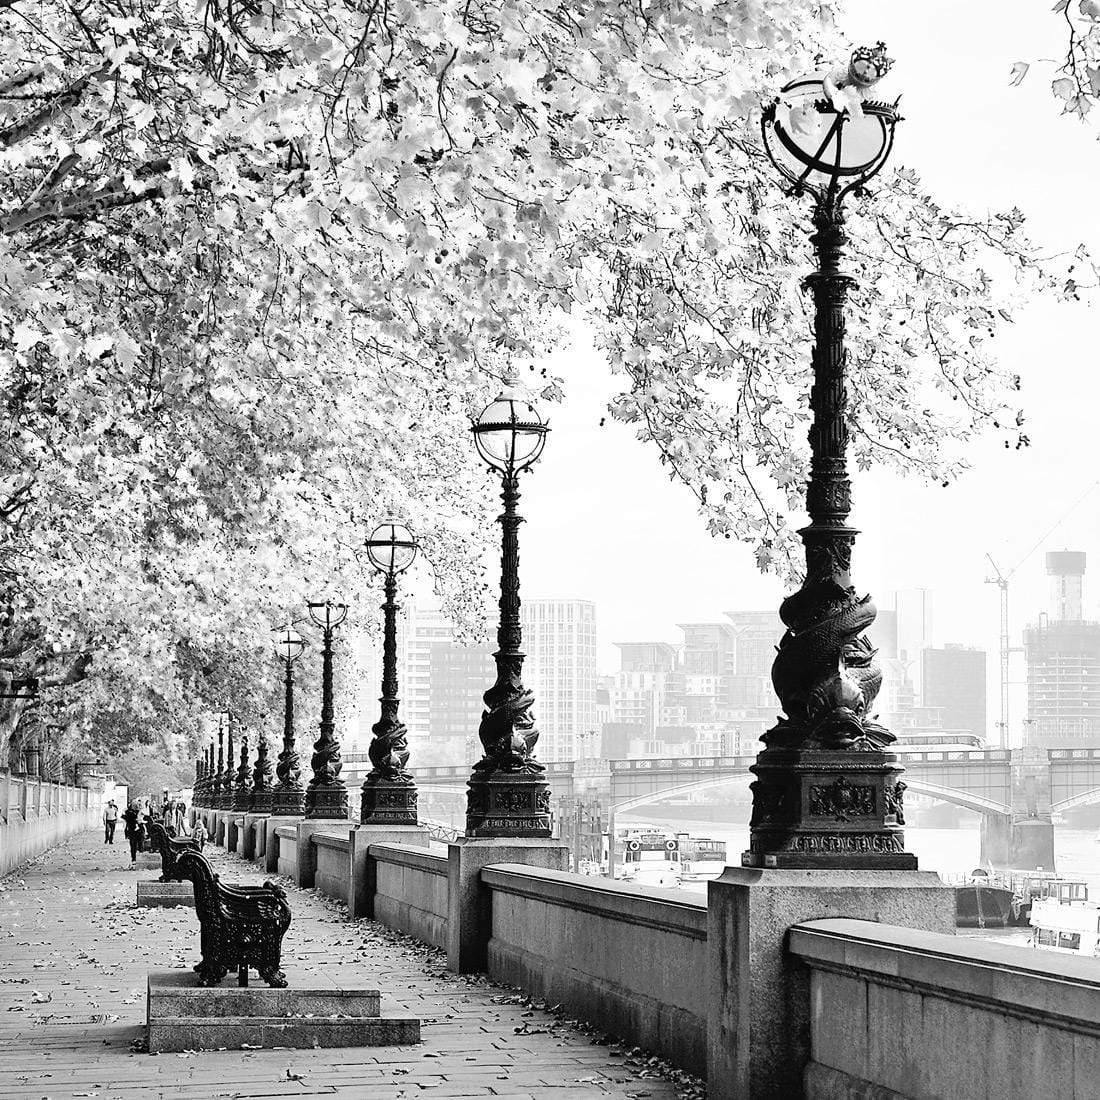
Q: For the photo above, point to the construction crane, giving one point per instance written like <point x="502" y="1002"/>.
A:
<point x="1001" y="581"/>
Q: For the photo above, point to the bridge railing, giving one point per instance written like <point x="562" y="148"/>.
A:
<point x="1073" y="754"/>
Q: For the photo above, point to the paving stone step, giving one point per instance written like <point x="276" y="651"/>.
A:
<point x="177" y="993"/>
<point x="172" y="1034"/>
<point x="165" y="893"/>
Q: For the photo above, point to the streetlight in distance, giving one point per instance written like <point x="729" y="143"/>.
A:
<point x="286" y="798"/>
<point x="507" y="795"/>
<point x="389" y="793"/>
<point x="827" y="791"/>
<point x="327" y="796"/>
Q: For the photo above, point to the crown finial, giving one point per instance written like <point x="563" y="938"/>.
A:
<point x="869" y="64"/>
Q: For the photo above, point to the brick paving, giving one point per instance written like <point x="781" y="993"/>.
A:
<point x="75" y="952"/>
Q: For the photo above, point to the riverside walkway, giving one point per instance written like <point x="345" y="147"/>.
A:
<point x="75" y="952"/>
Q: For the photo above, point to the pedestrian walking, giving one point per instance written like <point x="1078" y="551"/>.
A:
<point x="198" y="834"/>
<point x="110" y="820"/>
<point x="135" y="829"/>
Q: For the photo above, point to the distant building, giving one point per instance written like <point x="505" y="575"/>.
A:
<point x="640" y="689"/>
<point x="954" y="679"/>
<point x="559" y="637"/>
<point x="710" y="649"/>
<point x="616" y="738"/>
<point x="1063" y="663"/>
<point x="912" y="630"/>
<point x="756" y="634"/>
<point x="459" y="677"/>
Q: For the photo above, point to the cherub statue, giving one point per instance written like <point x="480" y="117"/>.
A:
<point x="848" y="88"/>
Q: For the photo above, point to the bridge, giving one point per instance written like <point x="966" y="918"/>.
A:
<point x="1015" y="791"/>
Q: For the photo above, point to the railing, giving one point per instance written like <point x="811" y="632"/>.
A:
<point x="27" y="798"/>
<point x="36" y="814"/>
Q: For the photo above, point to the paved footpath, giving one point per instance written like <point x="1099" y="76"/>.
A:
<point x="75" y="952"/>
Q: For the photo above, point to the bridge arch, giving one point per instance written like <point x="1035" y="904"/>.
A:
<point x="956" y="797"/>
<point x="964" y="799"/>
<point x="1085" y="798"/>
<point x="672" y="792"/>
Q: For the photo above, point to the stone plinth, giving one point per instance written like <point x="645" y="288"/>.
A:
<point x="469" y="901"/>
<point x="272" y="842"/>
<point x="305" y="874"/>
<point x="148" y="861"/>
<point x="364" y="876"/>
<point x="182" y="1015"/>
<point x="253" y="836"/>
<point x="759" y="1002"/>
<point x="150" y="894"/>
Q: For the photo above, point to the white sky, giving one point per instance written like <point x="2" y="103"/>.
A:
<point x="603" y="522"/>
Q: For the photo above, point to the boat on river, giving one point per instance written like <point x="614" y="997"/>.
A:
<point x="1064" y="919"/>
<point x="656" y="856"/>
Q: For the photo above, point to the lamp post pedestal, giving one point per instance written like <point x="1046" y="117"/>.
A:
<point x="504" y="804"/>
<point x="816" y="808"/>
<point x="388" y="802"/>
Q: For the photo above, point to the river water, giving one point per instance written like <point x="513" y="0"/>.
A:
<point x="951" y="852"/>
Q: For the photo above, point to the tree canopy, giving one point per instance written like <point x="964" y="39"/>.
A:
<point x="260" y="260"/>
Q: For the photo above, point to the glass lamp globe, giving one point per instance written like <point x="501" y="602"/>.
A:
<point x="326" y="613"/>
<point x="509" y="434"/>
<point x="391" y="547"/>
<point x="820" y="149"/>
<point x="289" y="644"/>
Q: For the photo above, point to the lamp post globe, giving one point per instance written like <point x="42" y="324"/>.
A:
<point x="389" y="793"/>
<point x="326" y="796"/>
<point x="287" y="795"/>
<point x="825" y="151"/>
<point x="509" y="434"/>
<point x="827" y="793"/>
<point x="507" y="795"/>
<point x="391" y="548"/>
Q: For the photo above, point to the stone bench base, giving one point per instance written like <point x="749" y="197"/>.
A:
<point x="182" y="1015"/>
<point x="165" y="893"/>
<point x="147" y="860"/>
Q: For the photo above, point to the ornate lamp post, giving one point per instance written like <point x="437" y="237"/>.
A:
<point x="507" y="795"/>
<point x="827" y="793"/>
<point x="326" y="795"/>
<point x="208" y="778"/>
<point x="389" y="793"/>
<point x="286" y="799"/>
<point x="219" y="773"/>
<point x="242" y="787"/>
<point x="225" y="793"/>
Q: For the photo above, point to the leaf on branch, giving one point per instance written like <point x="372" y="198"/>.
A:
<point x="1064" y="88"/>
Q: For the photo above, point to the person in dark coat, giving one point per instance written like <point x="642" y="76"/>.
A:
<point x="135" y="829"/>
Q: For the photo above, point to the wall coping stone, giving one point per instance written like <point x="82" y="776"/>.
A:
<point x="408" y="855"/>
<point x="1006" y="978"/>
<point x="287" y="832"/>
<point x="648" y="906"/>
<point x="330" y="840"/>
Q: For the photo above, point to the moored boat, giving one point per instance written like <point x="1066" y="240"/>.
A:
<point x="1064" y="919"/>
<point x="983" y="905"/>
